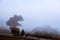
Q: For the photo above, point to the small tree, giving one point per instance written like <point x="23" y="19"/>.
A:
<point x="13" y="23"/>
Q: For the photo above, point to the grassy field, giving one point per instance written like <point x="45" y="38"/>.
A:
<point x="29" y="37"/>
<point x="4" y="37"/>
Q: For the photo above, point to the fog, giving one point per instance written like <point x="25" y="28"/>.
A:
<point x="34" y="12"/>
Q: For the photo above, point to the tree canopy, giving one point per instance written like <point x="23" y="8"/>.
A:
<point x="13" y="21"/>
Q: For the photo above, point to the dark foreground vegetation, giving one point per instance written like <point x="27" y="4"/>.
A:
<point x="46" y="36"/>
<point x="5" y="37"/>
<point x="29" y="37"/>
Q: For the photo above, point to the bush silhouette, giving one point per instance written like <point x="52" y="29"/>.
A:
<point x="22" y="33"/>
<point x="15" y="31"/>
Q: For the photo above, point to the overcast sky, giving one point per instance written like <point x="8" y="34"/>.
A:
<point x="35" y="12"/>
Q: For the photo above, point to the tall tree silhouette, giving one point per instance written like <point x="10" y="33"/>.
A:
<point x="13" y="23"/>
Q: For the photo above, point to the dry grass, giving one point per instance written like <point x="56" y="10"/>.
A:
<point x="2" y="37"/>
<point x="16" y="38"/>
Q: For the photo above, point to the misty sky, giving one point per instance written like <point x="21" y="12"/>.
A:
<point x="35" y="12"/>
